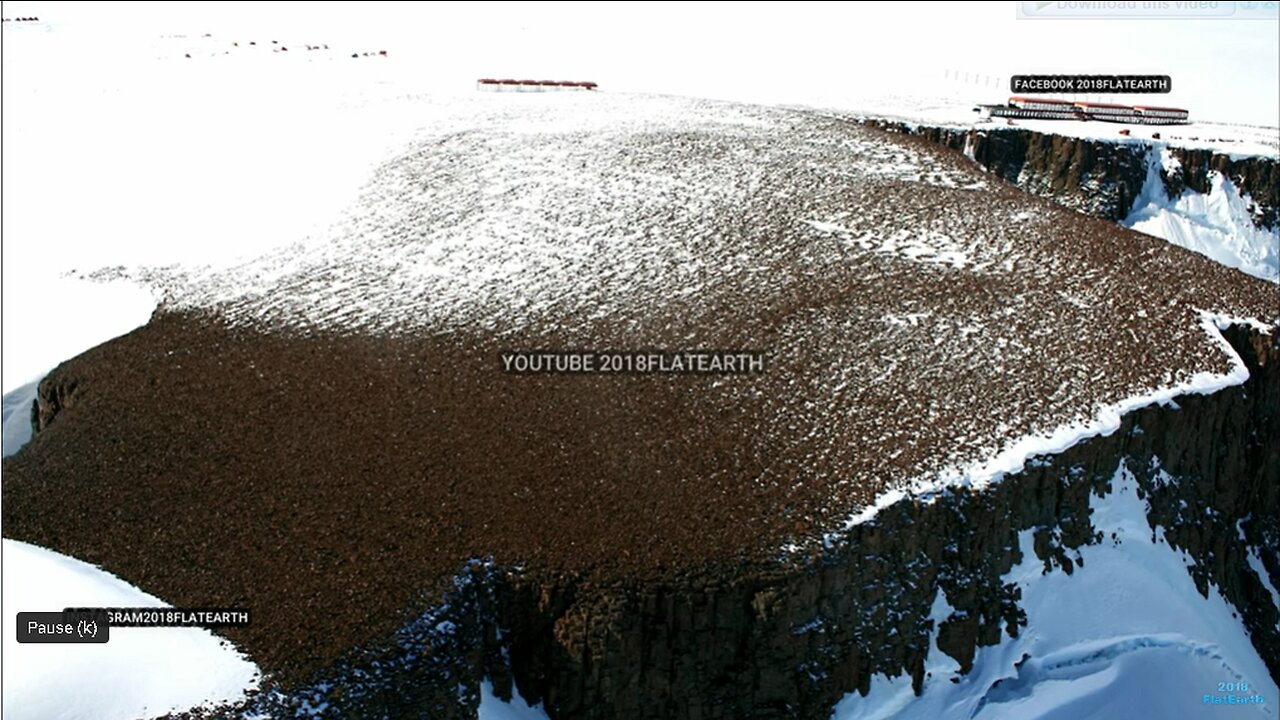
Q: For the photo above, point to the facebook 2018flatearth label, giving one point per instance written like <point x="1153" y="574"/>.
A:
<point x="1128" y="84"/>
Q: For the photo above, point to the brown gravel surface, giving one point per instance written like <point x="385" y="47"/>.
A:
<point x="325" y="434"/>
<point x="353" y="472"/>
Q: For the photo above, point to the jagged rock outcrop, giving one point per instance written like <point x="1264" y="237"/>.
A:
<point x="52" y="397"/>
<point x="1097" y="178"/>
<point x="1102" y="177"/>
<point x="1256" y="177"/>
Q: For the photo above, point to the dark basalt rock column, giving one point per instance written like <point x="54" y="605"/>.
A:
<point x="1100" y="177"/>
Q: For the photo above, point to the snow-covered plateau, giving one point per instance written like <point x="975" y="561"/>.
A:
<point x="931" y="327"/>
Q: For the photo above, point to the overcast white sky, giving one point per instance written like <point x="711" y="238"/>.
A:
<point x="1223" y="69"/>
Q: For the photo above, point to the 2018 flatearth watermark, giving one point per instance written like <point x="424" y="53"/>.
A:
<point x="1233" y="692"/>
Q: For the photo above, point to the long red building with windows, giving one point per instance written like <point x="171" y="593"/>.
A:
<point x="1037" y="108"/>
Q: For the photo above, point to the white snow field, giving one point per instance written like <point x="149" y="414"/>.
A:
<point x="114" y="175"/>
<point x="491" y="708"/>
<point x="1218" y="225"/>
<point x="1127" y="635"/>
<point x="139" y="672"/>
<point x="77" y="315"/>
<point x="131" y="155"/>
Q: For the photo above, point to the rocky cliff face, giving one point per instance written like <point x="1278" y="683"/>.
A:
<point x="52" y="397"/>
<point x="790" y="642"/>
<point x="1101" y="177"/>
<point x="789" y="639"/>
<point x="1257" y="177"/>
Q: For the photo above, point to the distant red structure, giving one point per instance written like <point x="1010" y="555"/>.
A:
<point x="1037" y="108"/>
<point x="509" y="85"/>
